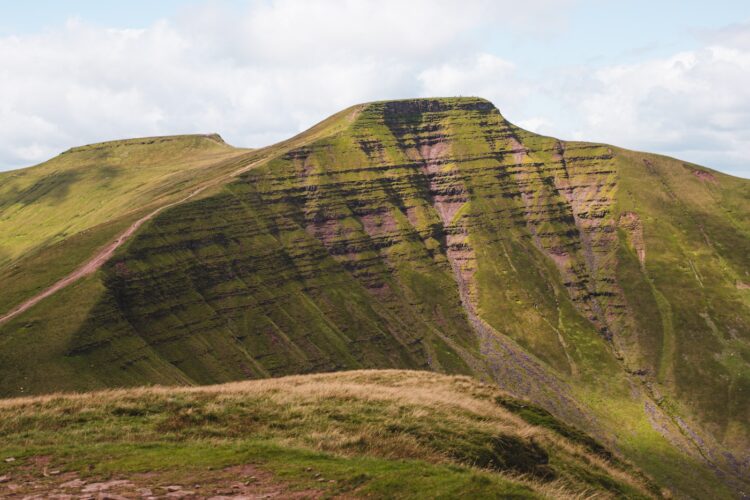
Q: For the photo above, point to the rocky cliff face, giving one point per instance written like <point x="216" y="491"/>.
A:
<point x="604" y="284"/>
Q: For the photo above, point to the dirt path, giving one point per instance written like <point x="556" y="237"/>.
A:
<point x="39" y="481"/>
<point x="104" y="254"/>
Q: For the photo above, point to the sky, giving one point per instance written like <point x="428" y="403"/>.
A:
<point x="670" y="77"/>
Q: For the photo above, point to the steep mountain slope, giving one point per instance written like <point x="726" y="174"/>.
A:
<point x="382" y="434"/>
<point x="610" y="287"/>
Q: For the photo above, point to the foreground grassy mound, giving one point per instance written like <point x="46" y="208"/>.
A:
<point x="364" y="433"/>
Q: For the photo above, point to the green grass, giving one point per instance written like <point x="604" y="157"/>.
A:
<point x="39" y="269"/>
<point x="331" y="254"/>
<point x="382" y="434"/>
<point x="300" y="468"/>
<point x="91" y="185"/>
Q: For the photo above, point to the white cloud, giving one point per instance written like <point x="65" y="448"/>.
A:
<point x="478" y="75"/>
<point x="256" y="75"/>
<point x="272" y="68"/>
<point x="694" y="105"/>
<point x="537" y="124"/>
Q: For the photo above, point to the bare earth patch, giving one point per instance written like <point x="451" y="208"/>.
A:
<point x="705" y="176"/>
<point x="630" y="222"/>
<point x="239" y="482"/>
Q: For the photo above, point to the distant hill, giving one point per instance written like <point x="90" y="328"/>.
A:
<point x="609" y="287"/>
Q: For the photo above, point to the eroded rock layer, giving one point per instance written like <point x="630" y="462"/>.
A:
<point x="374" y="246"/>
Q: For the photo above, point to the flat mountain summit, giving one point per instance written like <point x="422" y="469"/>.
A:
<point x="608" y="287"/>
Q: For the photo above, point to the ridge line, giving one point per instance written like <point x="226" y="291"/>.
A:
<point x="96" y="261"/>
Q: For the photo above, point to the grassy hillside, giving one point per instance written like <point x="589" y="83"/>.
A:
<point x="90" y="185"/>
<point x="56" y="214"/>
<point x="609" y="287"/>
<point x="381" y="434"/>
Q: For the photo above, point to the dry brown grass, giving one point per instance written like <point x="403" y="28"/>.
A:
<point x="392" y="414"/>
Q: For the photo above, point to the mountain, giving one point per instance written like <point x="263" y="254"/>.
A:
<point x="609" y="287"/>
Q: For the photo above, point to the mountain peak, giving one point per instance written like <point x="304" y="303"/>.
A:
<point x="145" y="141"/>
<point x="433" y="104"/>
